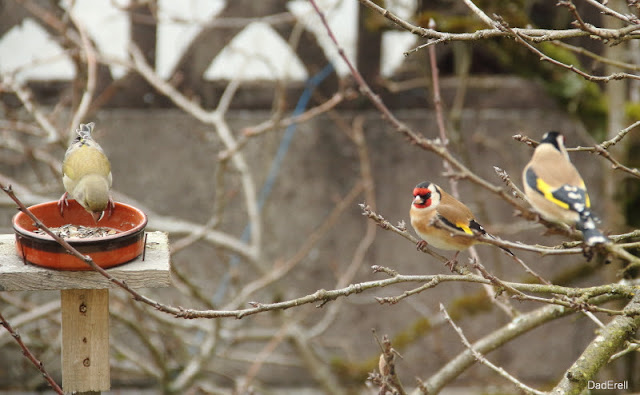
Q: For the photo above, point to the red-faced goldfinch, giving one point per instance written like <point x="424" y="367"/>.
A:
<point x="555" y="189"/>
<point x="87" y="174"/>
<point x="440" y="220"/>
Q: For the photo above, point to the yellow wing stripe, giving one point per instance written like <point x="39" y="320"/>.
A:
<point x="465" y="228"/>
<point x="547" y="192"/>
<point x="458" y="225"/>
<point x="587" y="201"/>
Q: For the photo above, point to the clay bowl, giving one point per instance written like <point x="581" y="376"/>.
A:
<point x="106" y="251"/>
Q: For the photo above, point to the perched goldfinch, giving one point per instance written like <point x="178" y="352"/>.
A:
<point x="555" y="189"/>
<point x="430" y="205"/>
<point x="87" y="174"/>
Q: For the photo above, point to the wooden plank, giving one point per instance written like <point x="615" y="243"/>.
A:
<point x="153" y="272"/>
<point x="85" y="340"/>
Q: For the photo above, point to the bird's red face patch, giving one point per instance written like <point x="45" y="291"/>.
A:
<point x="422" y="197"/>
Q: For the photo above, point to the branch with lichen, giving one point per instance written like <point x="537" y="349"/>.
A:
<point x="609" y="341"/>
<point x="496" y="339"/>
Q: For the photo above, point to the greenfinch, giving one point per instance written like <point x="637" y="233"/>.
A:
<point x="86" y="174"/>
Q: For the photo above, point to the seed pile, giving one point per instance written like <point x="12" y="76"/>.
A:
<point x="79" y="231"/>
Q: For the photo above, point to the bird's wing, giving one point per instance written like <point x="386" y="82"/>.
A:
<point x="458" y="217"/>
<point x="569" y="196"/>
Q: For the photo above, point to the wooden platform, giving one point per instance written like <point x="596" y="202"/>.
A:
<point x="153" y="272"/>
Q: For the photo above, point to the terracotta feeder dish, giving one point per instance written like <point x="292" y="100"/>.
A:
<point x="124" y="243"/>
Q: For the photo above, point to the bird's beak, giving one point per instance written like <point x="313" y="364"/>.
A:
<point x="418" y="200"/>
<point x="97" y="216"/>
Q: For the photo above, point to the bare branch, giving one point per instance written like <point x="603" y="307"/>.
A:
<point x="29" y="355"/>
<point x="608" y="11"/>
<point x="524" y="40"/>
<point x="496" y="339"/>
<point x="92" y="66"/>
<point x="25" y="97"/>
<point x="600" y="149"/>
<point x="215" y="118"/>
<point x="535" y="35"/>
<point x="480" y="358"/>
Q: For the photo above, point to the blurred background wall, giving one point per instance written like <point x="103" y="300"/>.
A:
<point x="167" y="161"/>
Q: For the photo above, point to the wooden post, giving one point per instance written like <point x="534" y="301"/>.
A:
<point x="85" y="340"/>
<point x="85" y="305"/>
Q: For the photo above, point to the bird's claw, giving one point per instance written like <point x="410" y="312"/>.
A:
<point x="62" y="202"/>
<point x="587" y="252"/>
<point x="420" y="245"/>
<point x="110" y="207"/>
<point x="451" y="264"/>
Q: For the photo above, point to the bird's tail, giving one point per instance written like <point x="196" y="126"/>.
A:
<point x="508" y="251"/>
<point x="590" y="233"/>
<point x="85" y="130"/>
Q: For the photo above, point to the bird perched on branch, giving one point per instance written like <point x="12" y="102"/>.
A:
<point x="87" y="174"/>
<point x="444" y="222"/>
<point x="555" y="189"/>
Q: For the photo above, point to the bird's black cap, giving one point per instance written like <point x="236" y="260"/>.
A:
<point x="551" y="138"/>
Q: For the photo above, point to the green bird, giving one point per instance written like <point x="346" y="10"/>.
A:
<point x="86" y="174"/>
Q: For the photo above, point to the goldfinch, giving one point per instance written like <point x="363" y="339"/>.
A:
<point x="86" y="174"/>
<point x="555" y="189"/>
<point x="430" y="205"/>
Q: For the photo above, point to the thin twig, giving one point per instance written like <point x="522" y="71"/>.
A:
<point x="92" y="67"/>
<point x="631" y="347"/>
<point x="605" y="34"/>
<point x="503" y="304"/>
<point x="401" y="229"/>
<point x="387" y="378"/>
<point x="273" y="124"/>
<point x="395" y="299"/>
<point x="524" y="40"/>
<point x="536" y="35"/>
<point x="480" y="358"/>
<point x="600" y="149"/>
<point x="518" y="294"/>
<point x="596" y="57"/>
<point x="357" y="135"/>
<point x="498" y="338"/>
<point x="215" y="118"/>
<point x="597" y="354"/>
<point x="25" y="95"/>
<point x="609" y="11"/>
<point x="481" y="14"/>
<point x="32" y="358"/>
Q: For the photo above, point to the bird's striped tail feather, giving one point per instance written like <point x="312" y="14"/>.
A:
<point x="590" y="233"/>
